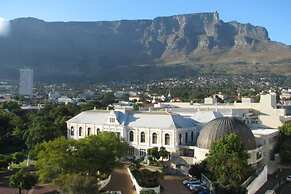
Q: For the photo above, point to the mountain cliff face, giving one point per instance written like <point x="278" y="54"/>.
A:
<point x="181" y="45"/>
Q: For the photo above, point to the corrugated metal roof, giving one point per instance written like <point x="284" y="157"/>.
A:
<point x="163" y="120"/>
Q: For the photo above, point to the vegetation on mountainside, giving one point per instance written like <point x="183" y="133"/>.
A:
<point x="207" y="45"/>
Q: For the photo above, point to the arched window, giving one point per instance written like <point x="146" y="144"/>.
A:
<point x="180" y="139"/>
<point x="98" y="131"/>
<point x="167" y="139"/>
<point x="131" y="136"/>
<point x="186" y="138"/>
<point x="192" y="137"/>
<point x="88" y="131"/>
<point x="154" y="138"/>
<point x="72" y="131"/>
<point x="80" y="131"/>
<point x="142" y="137"/>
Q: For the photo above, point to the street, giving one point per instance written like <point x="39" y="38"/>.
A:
<point x="120" y="181"/>
<point x="285" y="189"/>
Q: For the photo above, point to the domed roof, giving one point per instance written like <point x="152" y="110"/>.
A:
<point x="217" y="128"/>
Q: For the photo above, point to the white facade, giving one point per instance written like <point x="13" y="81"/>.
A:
<point x="65" y="100"/>
<point x="266" y="111"/>
<point x="267" y="139"/>
<point x="176" y="132"/>
<point x="26" y="82"/>
<point x="255" y="156"/>
<point x="142" y="130"/>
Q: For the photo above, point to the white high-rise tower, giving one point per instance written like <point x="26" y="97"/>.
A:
<point x="26" y="82"/>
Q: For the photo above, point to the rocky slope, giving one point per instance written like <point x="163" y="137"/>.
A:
<point x="181" y="45"/>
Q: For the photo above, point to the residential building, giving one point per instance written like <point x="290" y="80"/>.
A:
<point x="26" y="82"/>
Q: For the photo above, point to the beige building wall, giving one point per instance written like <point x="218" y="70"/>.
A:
<point x="269" y="114"/>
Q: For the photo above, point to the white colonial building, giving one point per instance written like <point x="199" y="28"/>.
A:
<point x="188" y="131"/>
<point x="142" y="130"/>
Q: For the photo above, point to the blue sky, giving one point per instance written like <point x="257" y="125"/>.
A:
<point x="275" y="15"/>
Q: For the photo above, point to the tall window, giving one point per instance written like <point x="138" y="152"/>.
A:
<point x="72" y="131"/>
<point x="80" y="131"/>
<point x="167" y="139"/>
<point x="88" y="131"/>
<point x="142" y="137"/>
<point x="186" y="138"/>
<point x="112" y="120"/>
<point x="131" y="136"/>
<point x="192" y="137"/>
<point x="180" y="139"/>
<point x="142" y="152"/>
<point x="131" y="151"/>
<point x="154" y="138"/>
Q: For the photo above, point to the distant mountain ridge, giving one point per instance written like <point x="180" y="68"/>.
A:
<point x="174" y="46"/>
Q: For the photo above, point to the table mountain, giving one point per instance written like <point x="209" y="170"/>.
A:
<point x="174" y="46"/>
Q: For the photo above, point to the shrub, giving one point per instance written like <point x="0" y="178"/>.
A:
<point x="18" y="157"/>
<point x="4" y="161"/>
<point x="146" y="178"/>
<point x="22" y="179"/>
<point x="77" y="184"/>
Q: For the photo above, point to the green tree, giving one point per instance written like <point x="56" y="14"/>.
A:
<point x="107" y="99"/>
<point x="285" y="129"/>
<point x="154" y="152"/>
<point x="11" y="107"/>
<point x="102" y="152"/>
<point x="197" y="169"/>
<point x="77" y="184"/>
<point x="49" y="123"/>
<point x="284" y="143"/>
<point x="93" y="156"/>
<point x="9" y="124"/>
<point x="164" y="153"/>
<point x="42" y="129"/>
<point x="22" y="179"/>
<point x="285" y="152"/>
<point x="227" y="162"/>
<point x="57" y="157"/>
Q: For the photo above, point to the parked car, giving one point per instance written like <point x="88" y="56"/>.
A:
<point x="288" y="178"/>
<point x="270" y="192"/>
<point x="188" y="180"/>
<point x="194" y="187"/>
<point x="192" y="182"/>
<point x="197" y="187"/>
<point x="204" y="192"/>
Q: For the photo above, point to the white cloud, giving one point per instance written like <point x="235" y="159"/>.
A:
<point x="4" y="27"/>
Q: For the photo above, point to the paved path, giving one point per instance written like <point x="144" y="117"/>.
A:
<point x="173" y="185"/>
<point x="120" y="181"/>
<point x="6" y="190"/>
